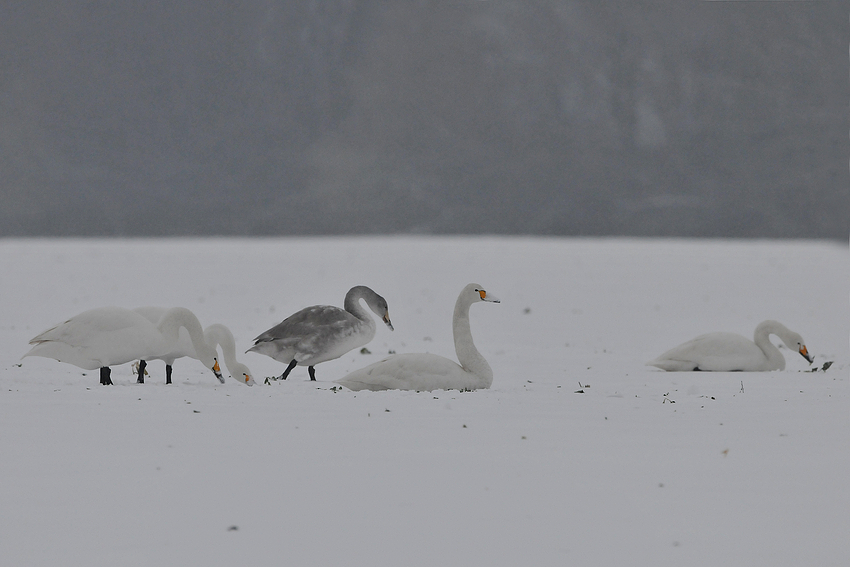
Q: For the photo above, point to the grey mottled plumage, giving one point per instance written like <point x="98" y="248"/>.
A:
<point x="323" y="332"/>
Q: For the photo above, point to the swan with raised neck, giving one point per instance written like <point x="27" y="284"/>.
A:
<point x="425" y="371"/>
<point x="323" y="332"/>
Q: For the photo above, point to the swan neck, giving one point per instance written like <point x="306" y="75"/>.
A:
<point x="468" y="356"/>
<point x="178" y="317"/>
<point x="352" y="304"/>
<point x="219" y="337"/>
<point x="229" y="352"/>
<point x="762" y="339"/>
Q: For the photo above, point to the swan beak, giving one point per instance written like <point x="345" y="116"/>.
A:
<point x="488" y="296"/>
<point x="805" y="353"/>
<point x="387" y="321"/>
<point x="248" y="380"/>
<point x="217" y="371"/>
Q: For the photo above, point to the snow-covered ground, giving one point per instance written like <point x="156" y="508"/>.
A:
<point x="578" y="455"/>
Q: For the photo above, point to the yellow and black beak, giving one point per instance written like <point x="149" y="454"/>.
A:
<point x="488" y="297"/>
<point x="804" y="352"/>
<point x="217" y="371"/>
<point x="387" y="322"/>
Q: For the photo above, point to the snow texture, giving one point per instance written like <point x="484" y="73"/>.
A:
<point x="578" y="454"/>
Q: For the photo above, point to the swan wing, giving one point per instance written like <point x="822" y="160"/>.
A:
<point x="305" y="323"/>
<point x="315" y="334"/>
<point x="63" y="352"/>
<point x="416" y="371"/>
<point x="720" y="352"/>
<point x="100" y="337"/>
<point x="89" y="327"/>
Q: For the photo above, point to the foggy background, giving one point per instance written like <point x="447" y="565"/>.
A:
<point x="343" y="117"/>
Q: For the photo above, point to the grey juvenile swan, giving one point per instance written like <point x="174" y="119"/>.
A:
<point x="323" y="332"/>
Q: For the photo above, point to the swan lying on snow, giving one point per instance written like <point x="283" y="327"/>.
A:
<point x="106" y="336"/>
<point x="426" y="372"/>
<point x="323" y="332"/>
<point x="214" y="336"/>
<point x="729" y="352"/>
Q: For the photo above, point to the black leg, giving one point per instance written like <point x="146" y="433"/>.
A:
<point x="288" y="369"/>
<point x="141" y="379"/>
<point x="105" y="374"/>
<point x="168" y="374"/>
<point x="312" y="372"/>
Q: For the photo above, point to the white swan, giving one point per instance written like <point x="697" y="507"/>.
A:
<point x="730" y="352"/>
<point x="215" y="335"/>
<point x="218" y="334"/>
<point x="426" y="372"/>
<point x="323" y="332"/>
<point x="106" y="336"/>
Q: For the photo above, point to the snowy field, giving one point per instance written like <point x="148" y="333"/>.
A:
<point x="578" y="455"/>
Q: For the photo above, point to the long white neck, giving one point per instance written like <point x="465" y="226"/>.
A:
<point x="470" y="359"/>
<point x="762" y="339"/>
<point x="219" y="335"/>
<point x="177" y="317"/>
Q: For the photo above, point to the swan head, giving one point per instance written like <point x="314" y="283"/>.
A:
<point x="794" y="341"/>
<point x="381" y="309"/>
<point x="209" y="358"/>
<point x="481" y="294"/>
<point x="216" y="369"/>
<point x="376" y="303"/>
<point x="791" y="339"/>
<point x="241" y="374"/>
<point x="799" y="345"/>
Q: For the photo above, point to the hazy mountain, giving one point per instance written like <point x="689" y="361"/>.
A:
<point x="542" y="117"/>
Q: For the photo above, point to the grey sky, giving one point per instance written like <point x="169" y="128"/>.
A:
<point x="551" y="117"/>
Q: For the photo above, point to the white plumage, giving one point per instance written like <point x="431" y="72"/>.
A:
<point x="729" y="352"/>
<point x="426" y="372"/>
<point x="215" y="335"/>
<point x="106" y="336"/>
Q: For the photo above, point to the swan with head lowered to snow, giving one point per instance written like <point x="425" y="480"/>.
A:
<point x="107" y="336"/>
<point x="323" y="332"/>
<point x="215" y="335"/>
<point x="426" y="372"/>
<point x="730" y="352"/>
